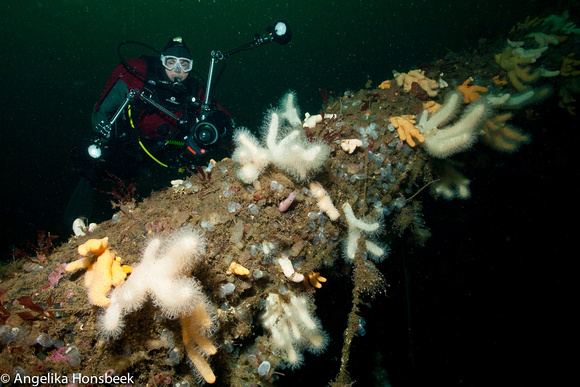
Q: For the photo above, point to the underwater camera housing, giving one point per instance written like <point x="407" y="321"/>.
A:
<point x="214" y="125"/>
<point x="206" y="132"/>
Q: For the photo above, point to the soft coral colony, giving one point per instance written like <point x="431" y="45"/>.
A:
<point x="235" y="270"/>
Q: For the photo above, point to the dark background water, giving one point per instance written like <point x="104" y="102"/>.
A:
<point x="488" y="294"/>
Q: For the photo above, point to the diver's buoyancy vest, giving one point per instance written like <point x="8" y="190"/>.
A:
<point x="176" y="98"/>
<point x="150" y="121"/>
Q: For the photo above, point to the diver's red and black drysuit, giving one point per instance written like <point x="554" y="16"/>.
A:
<point x="155" y="126"/>
<point x="148" y="120"/>
<point x="141" y="119"/>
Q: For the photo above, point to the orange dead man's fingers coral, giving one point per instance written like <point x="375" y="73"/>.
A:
<point x="471" y="93"/>
<point x="405" y="126"/>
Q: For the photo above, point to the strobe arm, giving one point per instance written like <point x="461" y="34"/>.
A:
<point x="280" y="33"/>
<point x="105" y="128"/>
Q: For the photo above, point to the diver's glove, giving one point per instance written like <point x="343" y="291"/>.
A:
<point x="104" y="129"/>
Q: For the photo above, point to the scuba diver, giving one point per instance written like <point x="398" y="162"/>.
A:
<point x="152" y="108"/>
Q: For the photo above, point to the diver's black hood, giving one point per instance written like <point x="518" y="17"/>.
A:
<point x="177" y="48"/>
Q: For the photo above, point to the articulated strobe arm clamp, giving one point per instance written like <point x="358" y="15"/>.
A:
<point x="105" y="128"/>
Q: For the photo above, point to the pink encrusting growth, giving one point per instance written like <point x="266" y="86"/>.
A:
<point x="285" y="204"/>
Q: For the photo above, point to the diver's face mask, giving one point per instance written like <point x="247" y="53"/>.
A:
<point x="177" y="65"/>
